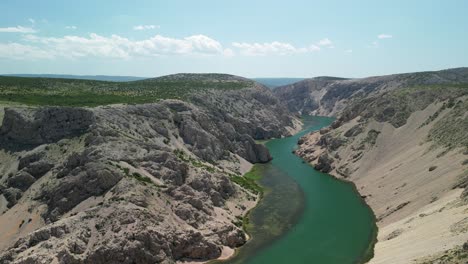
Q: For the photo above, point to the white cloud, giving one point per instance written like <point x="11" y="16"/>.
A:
<point x="374" y="44"/>
<point x="271" y="48"/>
<point x="23" y="52"/>
<point x="118" y="47"/>
<point x="71" y="27"/>
<point x="204" y="44"/>
<point x="384" y="36"/>
<point x="17" y="29"/>
<point x="325" y="42"/>
<point x="32" y="21"/>
<point x="145" y="27"/>
<point x="314" y="47"/>
<point x="349" y="51"/>
<point x="279" y="48"/>
<point x="122" y="48"/>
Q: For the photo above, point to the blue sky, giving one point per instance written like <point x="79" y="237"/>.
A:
<point x="250" y="38"/>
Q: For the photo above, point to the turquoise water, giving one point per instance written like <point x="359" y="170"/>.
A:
<point x="306" y="216"/>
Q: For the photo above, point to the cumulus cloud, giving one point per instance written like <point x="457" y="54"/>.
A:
<point x="145" y="27"/>
<point x="17" y="29"/>
<point x="384" y="36"/>
<point x="314" y="47"/>
<point x="115" y="46"/>
<point x="325" y="42"/>
<point x="118" y="47"/>
<point x="23" y="52"/>
<point x="271" y="48"/>
<point x="279" y="48"/>
<point x="262" y="49"/>
<point x="71" y="27"/>
<point x="32" y="21"/>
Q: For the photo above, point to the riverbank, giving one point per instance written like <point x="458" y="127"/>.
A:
<point x="302" y="205"/>
<point x="249" y="182"/>
<point x="226" y="253"/>
<point x="410" y="183"/>
<point x="301" y="218"/>
<point x="368" y="254"/>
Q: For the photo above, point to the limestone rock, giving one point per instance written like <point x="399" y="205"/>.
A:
<point x="29" y="127"/>
<point x="324" y="163"/>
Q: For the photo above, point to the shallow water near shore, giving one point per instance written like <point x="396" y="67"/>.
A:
<point x="305" y="216"/>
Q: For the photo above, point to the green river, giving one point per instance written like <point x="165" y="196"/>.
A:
<point x="305" y="216"/>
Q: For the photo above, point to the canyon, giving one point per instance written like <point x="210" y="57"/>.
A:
<point x="136" y="172"/>
<point x="402" y="139"/>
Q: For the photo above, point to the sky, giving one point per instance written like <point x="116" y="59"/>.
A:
<point x="254" y="38"/>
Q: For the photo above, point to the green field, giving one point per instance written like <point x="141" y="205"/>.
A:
<point x="76" y="92"/>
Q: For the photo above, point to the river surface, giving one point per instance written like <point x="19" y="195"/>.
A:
<point x="305" y="216"/>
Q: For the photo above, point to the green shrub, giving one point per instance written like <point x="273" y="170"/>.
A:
<point x="73" y="92"/>
<point x="141" y="178"/>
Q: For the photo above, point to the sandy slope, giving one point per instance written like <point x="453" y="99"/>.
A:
<point x="394" y="177"/>
<point x="438" y="226"/>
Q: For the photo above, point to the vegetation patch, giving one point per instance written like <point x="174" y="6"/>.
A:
<point x="196" y="163"/>
<point x="371" y="137"/>
<point x="141" y="178"/>
<point x="451" y="130"/>
<point x="78" y="92"/>
<point x="396" y="106"/>
<point x="137" y="176"/>
<point x="457" y="255"/>
<point x="449" y="104"/>
<point x="254" y="174"/>
<point x="249" y="180"/>
<point x="462" y="180"/>
<point x="242" y="222"/>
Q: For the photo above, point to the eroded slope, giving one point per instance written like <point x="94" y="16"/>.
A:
<point x="407" y="152"/>
<point x="150" y="183"/>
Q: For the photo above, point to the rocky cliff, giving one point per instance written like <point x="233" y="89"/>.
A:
<point x="405" y="147"/>
<point x="328" y="96"/>
<point x="146" y="183"/>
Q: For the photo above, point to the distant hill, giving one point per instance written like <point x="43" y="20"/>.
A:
<point x="329" y="95"/>
<point x="83" y="92"/>
<point x="83" y="77"/>
<point x="275" y="82"/>
<point x="269" y="82"/>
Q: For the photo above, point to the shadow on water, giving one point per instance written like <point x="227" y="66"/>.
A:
<point x="305" y="216"/>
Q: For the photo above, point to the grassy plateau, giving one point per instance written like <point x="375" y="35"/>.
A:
<point x="77" y="92"/>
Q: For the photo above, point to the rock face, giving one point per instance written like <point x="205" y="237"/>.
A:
<point x="328" y="96"/>
<point x="26" y="127"/>
<point x="304" y="96"/>
<point x="144" y="183"/>
<point x="324" y="163"/>
<point x="391" y="138"/>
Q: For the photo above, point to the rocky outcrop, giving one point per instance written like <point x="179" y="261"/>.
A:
<point x="328" y="96"/>
<point x="324" y="163"/>
<point x="31" y="127"/>
<point x="304" y="96"/>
